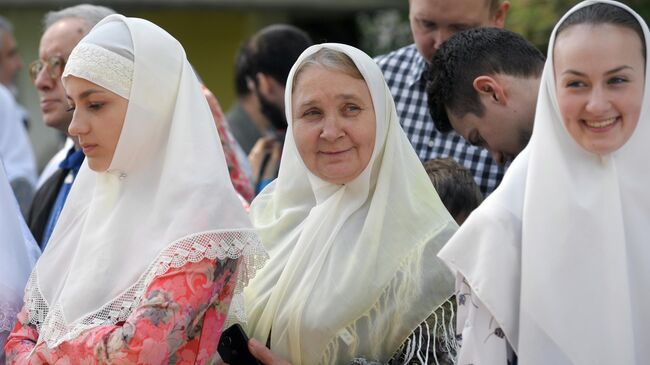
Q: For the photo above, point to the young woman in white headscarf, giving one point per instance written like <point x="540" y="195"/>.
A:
<point x="153" y="241"/>
<point x="352" y="224"/>
<point x="554" y="267"/>
<point x="19" y="252"/>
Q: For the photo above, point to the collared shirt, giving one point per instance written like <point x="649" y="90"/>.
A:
<point x="71" y="164"/>
<point x="404" y="71"/>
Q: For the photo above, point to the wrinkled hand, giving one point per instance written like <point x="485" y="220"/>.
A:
<point x="265" y="355"/>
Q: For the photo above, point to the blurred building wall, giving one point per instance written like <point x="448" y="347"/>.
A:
<point x="210" y="31"/>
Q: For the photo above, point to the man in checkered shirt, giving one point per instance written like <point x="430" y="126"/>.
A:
<point x="433" y="22"/>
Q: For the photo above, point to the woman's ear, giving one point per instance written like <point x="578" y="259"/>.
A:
<point x="489" y="87"/>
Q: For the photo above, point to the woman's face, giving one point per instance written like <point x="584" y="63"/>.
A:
<point x="333" y="123"/>
<point x="599" y="73"/>
<point x="97" y="120"/>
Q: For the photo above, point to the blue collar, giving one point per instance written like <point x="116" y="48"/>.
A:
<point x="73" y="160"/>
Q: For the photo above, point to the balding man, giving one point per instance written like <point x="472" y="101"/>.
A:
<point x="63" y="30"/>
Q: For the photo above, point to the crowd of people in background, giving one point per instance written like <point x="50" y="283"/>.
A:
<point x="461" y="200"/>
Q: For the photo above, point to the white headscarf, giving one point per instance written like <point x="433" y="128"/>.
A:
<point x="353" y="267"/>
<point x="560" y="253"/>
<point x="15" y="147"/>
<point x="18" y="253"/>
<point x="165" y="200"/>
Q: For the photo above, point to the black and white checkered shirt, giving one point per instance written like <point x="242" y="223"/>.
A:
<point x="404" y="73"/>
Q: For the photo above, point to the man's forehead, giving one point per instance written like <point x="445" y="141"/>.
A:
<point x="61" y="37"/>
<point x="463" y="125"/>
<point x="453" y="10"/>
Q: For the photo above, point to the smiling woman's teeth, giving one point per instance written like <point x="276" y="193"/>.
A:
<point x="600" y="123"/>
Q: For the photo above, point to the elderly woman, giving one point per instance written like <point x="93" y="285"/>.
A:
<point x="352" y="224"/>
<point x="153" y="240"/>
<point x="554" y="267"/>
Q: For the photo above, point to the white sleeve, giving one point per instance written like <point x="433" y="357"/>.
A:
<point x="483" y="340"/>
<point x="15" y="146"/>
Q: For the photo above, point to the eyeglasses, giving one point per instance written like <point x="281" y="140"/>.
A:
<point x="54" y="64"/>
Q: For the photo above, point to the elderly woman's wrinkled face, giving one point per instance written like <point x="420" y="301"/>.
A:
<point x="97" y="120"/>
<point x="333" y="123"/>
<point x="599" y="73"/>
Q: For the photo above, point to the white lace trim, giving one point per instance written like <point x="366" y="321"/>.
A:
<point x="8" y="312"/>
<point x="243" y="245"/>
<point x="102" y="67"/>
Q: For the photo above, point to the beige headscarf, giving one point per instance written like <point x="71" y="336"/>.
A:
<point x="353" y="267"/>
<point x="560" y="253"/>
<point x="166" y="199"/>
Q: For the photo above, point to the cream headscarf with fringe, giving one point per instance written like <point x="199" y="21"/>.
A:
<point x="353" y="267"/>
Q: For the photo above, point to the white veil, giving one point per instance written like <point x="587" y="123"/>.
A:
<point x="353" y="267"/>
<point x="560" y="253"/>
<point x="18" y="253"/>
<point x="15" y="147"/>
<point x="165" y="200"/>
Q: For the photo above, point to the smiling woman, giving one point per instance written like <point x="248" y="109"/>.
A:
<point x="567" y="275"/>
<point x="600" y="86"/>
<point x="352" y="223"/>
<point x="334" y="119"/>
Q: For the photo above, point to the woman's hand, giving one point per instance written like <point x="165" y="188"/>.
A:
<point x="265" y="355"/>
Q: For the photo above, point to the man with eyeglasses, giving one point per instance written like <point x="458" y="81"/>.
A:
<point x="63" y="30"/>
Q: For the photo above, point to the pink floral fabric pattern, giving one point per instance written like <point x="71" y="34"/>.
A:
<point x="237" y="176"/>
<point x="179" y="321"/>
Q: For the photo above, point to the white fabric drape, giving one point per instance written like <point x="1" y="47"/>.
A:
<point x="15" y="147"/>
<point x="165" y="200"/>
<point x="18" y="253"/>
<point x="353" y="267"/>
<point x="560" y="253"/>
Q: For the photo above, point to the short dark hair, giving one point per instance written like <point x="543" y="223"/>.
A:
<point x="602" y="13"/>
<point x="274" y="50"/>
<point x="242" y="70"/>
<point x="467" y="55"/>
<point x="455" y="185"/>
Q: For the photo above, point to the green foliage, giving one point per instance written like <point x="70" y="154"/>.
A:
<point x="383" y="31"/>
<point x="535" y="19"/>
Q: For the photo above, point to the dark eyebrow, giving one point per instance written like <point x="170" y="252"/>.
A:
<point x="347" y="97"/>
<point x="309" y="102"/>
<point x="618" y="69"/>
<point x="87" y="93"/>
<point x="340" y="96"/>
<point x="612" y="71"/>
<point x="464" y="25"/>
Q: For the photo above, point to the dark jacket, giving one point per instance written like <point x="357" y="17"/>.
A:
<point x="42" y="204"/>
